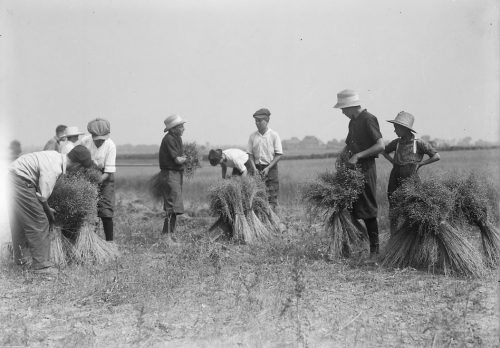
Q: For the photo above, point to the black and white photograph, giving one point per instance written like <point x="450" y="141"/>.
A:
<point x="235" y="173"/>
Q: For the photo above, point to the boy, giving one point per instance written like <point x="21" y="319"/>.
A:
<point x="232" y="158"/>
<point x="408" y="154"/>
<point x="265" y="151"/>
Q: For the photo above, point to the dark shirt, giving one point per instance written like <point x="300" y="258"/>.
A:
<point x="408" y="151"/>
<point x="170" y="148"/>
<point x="363" y="133"/>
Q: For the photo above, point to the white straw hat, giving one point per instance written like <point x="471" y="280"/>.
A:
<point x="173" y="121"/>
<point x="72" y="131"/>
<point x="404" y="119"/>
<point x="347" y="98"/>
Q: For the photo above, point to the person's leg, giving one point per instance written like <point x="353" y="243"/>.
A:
<point x="107" y="224"/>
<point x="372" y="228"/>
<point x="31" y="226"/>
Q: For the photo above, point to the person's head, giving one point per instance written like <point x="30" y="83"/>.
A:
<point x="174" y="124"/>
<point x="403" y="124"/>
<point x="60" y="130"/>
<point x="78" y="157"/>
<point x="215" y="157"/>
<point x="262" y="117"/>
<point x="15" y="149"/>
<point x="348" y="101"/>
<point x="72" y="134"/>
<point x="99" y="129"/>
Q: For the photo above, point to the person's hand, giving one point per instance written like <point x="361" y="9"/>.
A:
<point x="264" y="172"/>
<point x="181" y="159"/>
<point x="354" y="159"/>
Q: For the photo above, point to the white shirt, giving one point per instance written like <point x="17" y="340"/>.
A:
<point x="42" y="168"/>
<point x="264" y="147"/>
<point x="236" y="158"/>
<point x="104" y="156"/>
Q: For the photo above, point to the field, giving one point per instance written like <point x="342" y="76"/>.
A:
<point x="286" y="293"/>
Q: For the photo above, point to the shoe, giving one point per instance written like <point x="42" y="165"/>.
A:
<point x="371" y="260"/>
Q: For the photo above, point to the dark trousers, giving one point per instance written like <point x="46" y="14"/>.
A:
<point x="29" y="225"/>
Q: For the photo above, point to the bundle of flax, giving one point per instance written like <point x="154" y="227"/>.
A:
<point x="75" y="200"/>
<point x="424" y="237"/>
<point x="331" y="196"/>
<point x="241" y="202"/>
<point x="158" y="185"/>
<point x="476" y="204"/>
<point x="192" y="159"/>
<point x="90" y="248"/>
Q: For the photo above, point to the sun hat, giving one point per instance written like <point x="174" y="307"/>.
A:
<point x="80" y="154"/>
<point x="72" y="131"/>
<point x="173" y="121"/>
<point x="404" y="119"/>
<point x="99" y="128"/>
<point x="347" y="98"/>
<point x="262" y="113"/>
<point x="214" y="156"/>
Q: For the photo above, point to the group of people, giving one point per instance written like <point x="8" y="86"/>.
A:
<point x="34" y="175"/>
<point x="33" y="178"/>
<point x="364" y="143"/>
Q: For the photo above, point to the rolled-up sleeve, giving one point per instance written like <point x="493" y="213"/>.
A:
<point x="110" y="162"/>
<point x="278" y="149"/>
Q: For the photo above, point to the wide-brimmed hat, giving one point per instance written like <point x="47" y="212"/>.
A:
<point x="72" y="131"/>
<point x="173" y="121"/>
<point x="347" y="98"/>
<point x="262" y="113"/>
<point x="99" y="128"/>
<point x="404" y="119"/>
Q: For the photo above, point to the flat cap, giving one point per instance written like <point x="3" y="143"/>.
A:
<point x="262" y="113"/>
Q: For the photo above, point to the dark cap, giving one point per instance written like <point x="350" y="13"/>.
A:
<point x="261" y="113"/>
<point x="214" y="156"/>
<point x="80" y="154"/>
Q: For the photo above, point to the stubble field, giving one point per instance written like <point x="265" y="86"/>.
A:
<point x="286" y="293"/>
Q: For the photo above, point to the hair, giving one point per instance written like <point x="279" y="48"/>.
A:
<point x="61" y="128"/>
<point x="214" y="156"/>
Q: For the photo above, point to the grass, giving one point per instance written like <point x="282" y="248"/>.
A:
<point x="214" y="294"/>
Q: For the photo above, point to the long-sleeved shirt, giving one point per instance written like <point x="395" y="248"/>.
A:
<point x="41" y="168"/>
<point x="171" y="147"/>
<point x="104" y="156"/>
<point x="236" y="158"/>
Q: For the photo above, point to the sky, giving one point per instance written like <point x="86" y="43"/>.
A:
<point x="215" y="62"/>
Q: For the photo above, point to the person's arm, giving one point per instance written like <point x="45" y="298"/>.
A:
<point x="276" y="159"/>
<point x="224" y="170"/>
<point x="250" y="155"/>
<point x="429" y="160"/>
<point x="49" y="212"/>
<point x="389" y="148"/>
<point x="373" y="150"/>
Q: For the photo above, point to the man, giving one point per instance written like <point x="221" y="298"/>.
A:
<point x="34" y="176"/>
<point x="236" y="159"/>
<point x="56" y="142"/>
<point x="364" y="142"/>
<point x="72" y="135"/>
<point x="265" y="151"/>
<point x="171" y="158"/>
